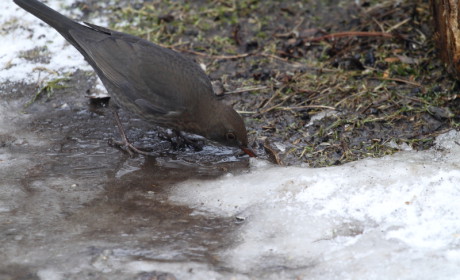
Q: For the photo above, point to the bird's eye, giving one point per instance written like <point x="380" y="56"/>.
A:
<point x="230" y="136"/>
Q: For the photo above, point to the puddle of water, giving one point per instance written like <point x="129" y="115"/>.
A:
<point x="73" y="207"/>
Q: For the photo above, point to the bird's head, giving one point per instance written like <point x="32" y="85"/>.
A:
<point x="228" y="129"/>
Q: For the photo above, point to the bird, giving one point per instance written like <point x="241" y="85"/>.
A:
<point x="160" y="85"/>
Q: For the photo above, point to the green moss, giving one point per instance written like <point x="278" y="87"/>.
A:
<point x="47" y="90"/>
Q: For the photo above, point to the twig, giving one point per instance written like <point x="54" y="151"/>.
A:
<point x="215" y="56"/>
<point x="240" y="90"/>
<point x="306" y="107"/>
<point x="246" y="112"/>
<point x="282" y="59"/>
<point x="399" y="80"/>
<point x="351" y="33"/>
<point x="296" y="64"/>
<point x="270" y="99"/>
<point x="398" y="24"/>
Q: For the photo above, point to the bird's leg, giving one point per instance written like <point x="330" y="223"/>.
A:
<point x="124" y="143"/>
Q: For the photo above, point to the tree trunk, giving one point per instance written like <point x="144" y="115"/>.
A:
<point x="447" y="33"/>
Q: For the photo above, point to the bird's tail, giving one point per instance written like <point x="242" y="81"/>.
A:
<point x="56" y="20"/>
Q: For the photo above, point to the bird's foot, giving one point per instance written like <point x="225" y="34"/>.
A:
<point x="124" y="143"/>
<point x="128" y="147"/>
<point x="180" y="140"/>
<point x="194" y="143"/>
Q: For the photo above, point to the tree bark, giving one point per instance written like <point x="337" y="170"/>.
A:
<point x="447" y="33"/>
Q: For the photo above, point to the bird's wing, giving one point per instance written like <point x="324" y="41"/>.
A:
<point x="155" y="78"/>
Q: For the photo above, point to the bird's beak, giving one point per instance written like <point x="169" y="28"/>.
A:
<point x="248" y="151"/>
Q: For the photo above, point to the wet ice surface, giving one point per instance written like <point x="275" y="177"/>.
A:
<point x="71" y="207"/>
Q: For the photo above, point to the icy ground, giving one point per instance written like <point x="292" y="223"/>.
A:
<point x="397" y="217"/>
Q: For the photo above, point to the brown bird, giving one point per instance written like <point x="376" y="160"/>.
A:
<point x="160" y="85"/>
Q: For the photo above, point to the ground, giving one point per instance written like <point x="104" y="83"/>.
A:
<point x="317" y="83"/>
<point x="322" y="83"/>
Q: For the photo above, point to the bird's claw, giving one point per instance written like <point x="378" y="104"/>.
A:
<point x="128" y="147"/>
<point x="179" y="140"/>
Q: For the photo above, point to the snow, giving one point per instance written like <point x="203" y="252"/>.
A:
<point x="23" y="32"/>
<point x="396" y="217"/>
